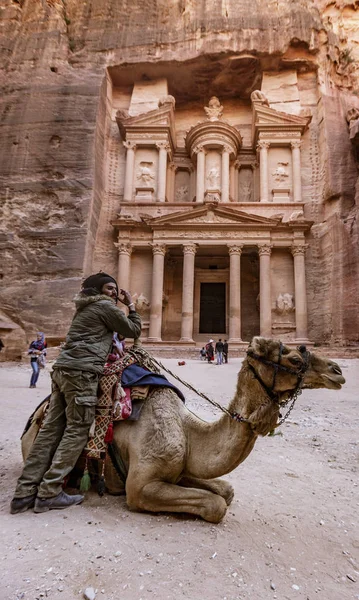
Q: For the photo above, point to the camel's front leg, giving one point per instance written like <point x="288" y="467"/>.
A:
<point x="217" y="486"/>
<point x="158" y="496"/>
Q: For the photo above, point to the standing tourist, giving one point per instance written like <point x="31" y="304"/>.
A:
<point x="210" y="351"/>
<point x="37" y="352"/>
<point x="219" y="352"/>
<point x="73" y="400"/>
<point x="225" y="351"/>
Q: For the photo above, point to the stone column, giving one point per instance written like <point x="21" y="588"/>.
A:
<point x="263" y="170"/>
<point x="159" y="251"/>
<point x="265" y="300"/>
<point x="124" y="265"/>
<point x="189" y="252"/>
<point x="296" y="171"/>
<point x="130" y="165"/>
<point x="225" y="175"/>
<point x="232" y="176"/>
<point x="201" y="164"/>
<point x="301" y="314"/>
<point x="235" y="252"/>
<point x="163" y="147"/>
<point x="170" y="183"/>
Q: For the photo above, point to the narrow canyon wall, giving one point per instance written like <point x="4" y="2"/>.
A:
<point x="55" y="204"/>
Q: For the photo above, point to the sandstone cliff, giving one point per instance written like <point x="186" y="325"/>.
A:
<point x="54" y="55"/>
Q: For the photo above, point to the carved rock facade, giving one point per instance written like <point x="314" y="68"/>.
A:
<point x="110" y="161"/>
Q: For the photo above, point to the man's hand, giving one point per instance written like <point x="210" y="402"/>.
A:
<point x="126" y="299"/>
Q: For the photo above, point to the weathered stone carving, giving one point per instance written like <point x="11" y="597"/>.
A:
<point x="281" y="174"/>
<point x="142" y="304"/>
<point x="245" y="192"/>
<point x="182" y="194"/>
<point x="213" y="178"/>
<point x="167" y="100"/>
<point x="260" y="97"/>
<point x="285" y="304"/>
<point x="214" y="110"/>
<point x="144" y="173"/>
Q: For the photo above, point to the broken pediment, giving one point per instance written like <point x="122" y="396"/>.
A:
<point x="266" y="119"/>
<point x="154" y="121"/>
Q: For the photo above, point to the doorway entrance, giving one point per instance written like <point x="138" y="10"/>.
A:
<point x="212" y="310"/>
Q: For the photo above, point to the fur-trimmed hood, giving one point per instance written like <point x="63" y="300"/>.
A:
<point x="81" y="300"/>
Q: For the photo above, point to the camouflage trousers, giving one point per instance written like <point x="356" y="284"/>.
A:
<point x="63" y="435"/>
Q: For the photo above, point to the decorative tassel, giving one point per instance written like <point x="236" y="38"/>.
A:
<point x="101" y="480"/>
<point x="85" y="483"/>
<point x="109" y="434"/>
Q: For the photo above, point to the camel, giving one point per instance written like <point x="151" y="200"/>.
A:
<point x="174" y="458"/>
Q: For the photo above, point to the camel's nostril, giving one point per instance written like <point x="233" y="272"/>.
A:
<point x="337" y="369"/>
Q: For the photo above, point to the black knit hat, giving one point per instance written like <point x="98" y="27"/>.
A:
<point x="97" y="281"/>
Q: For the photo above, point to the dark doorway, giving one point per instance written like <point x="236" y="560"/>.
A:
<point x="212" y="312"/>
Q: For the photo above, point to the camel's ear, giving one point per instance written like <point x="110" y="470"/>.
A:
<point x="259" y="345"/>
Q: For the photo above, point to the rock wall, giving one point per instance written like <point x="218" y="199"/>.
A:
<point x="56" y="131"/>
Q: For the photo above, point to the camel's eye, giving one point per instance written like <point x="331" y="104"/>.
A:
<point x="295" y="360"/>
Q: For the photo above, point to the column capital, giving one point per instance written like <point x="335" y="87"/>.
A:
<point x="296" y="143"/>
<point x="129" y="145"/>
<point x="226" y="149"/>
<point x="263" y="145"/>
<point x="172" y="166"/>
<point x="297" y="250"/>
<point x="124" y="248"/>
<point x="264" y="249"/>
<point x="158" y="248"/>
<point x="163" y="146"/>
<point x="235" y="249"/>
<point x="189" y="248"/>
<point x="198" y="149"/>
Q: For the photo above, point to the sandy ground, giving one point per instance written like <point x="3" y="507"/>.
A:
<point x="291" y="532"/>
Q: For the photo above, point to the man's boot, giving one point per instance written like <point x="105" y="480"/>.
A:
<point x="19" y="505"/>
<point x="61" y="501"/>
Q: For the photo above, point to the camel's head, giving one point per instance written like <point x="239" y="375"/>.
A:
<point x="317" y="372"/>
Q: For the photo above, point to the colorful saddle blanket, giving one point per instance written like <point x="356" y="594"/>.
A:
<point x="123" y="388"/>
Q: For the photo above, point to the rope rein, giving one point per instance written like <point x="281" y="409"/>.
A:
<point x="155" y="364"/>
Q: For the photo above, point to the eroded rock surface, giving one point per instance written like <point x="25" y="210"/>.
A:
<point x="57" y="196"/>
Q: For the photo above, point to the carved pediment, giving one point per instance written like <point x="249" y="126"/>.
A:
<point x="161" y="119"/>
<point x="212" y="216"/>
<point x="266" y="119"/>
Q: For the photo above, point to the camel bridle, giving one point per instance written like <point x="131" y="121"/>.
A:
<point x="277" y="366"/>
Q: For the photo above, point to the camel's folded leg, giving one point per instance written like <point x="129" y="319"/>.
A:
<point x="158" y="496"/>
<point x="217" y="486"/>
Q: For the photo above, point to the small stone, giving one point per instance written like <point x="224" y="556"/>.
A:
<point x="89" y="593"/>
<point x="214" y="555"/>
<point x="351" y="578"/>
<point x="295" y="587"/>
<point x="60" y="588"/>
<point x="118" y="553"/>
<point x="272" y="585"/>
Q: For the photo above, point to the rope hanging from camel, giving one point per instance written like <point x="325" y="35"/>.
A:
<point x="142" y="353"/>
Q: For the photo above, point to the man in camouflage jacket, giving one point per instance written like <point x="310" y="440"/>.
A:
<point x="74" y="394"/>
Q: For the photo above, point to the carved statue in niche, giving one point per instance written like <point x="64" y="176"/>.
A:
<point x="260" y="97"/>
<point x="285" y="304"/>
<point x="144" y="174"/>
<point x="213" y="178"/>
<point x="182" y="194"/>
<point x="142" y="304"/>
<point x="246" y="192"/>
<point x="281" y="173"/>
<point x="214" y="110"/>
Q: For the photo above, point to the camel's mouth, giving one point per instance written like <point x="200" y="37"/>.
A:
<point x="333" y="382"/>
